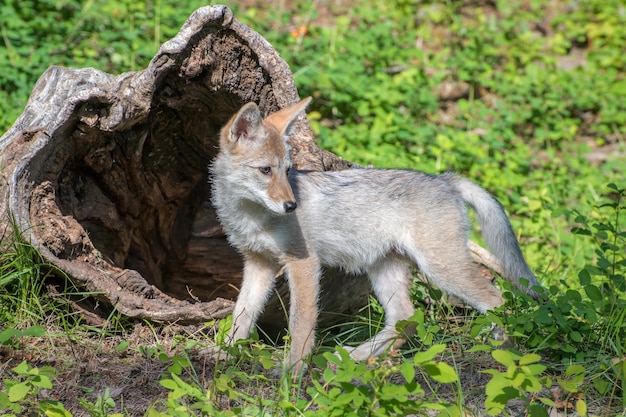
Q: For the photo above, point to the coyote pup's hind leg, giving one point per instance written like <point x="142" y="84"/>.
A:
<point x="448" y="264"/>
<point x="391" y="282"/>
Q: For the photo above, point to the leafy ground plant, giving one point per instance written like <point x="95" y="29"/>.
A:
<point x="369" y="388"/>
<point x="21" y="392"/>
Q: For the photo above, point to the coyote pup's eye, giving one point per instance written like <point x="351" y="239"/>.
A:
<point x="265" y="170"/>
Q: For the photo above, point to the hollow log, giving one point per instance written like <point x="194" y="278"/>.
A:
<point x="107" y="176"/>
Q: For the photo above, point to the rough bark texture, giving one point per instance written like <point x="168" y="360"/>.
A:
<point x="107" y="175"/>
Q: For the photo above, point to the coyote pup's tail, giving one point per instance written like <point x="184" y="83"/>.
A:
<point x="497" y="232"/>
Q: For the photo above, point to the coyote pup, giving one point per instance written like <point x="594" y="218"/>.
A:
<point x="377" y="221"/>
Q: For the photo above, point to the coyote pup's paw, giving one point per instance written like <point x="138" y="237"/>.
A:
<point x="215" y="353"/>
<point x="358" y="353"/>
<point x="499" y="334"/>
<point x="350" y="350"/>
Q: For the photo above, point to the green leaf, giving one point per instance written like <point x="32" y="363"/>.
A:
<point x="168" y="384"/>
<point x="428" y="355"/>
<point x="580" y="231"/>
<point x="42" y="381"/>
<point x="55" y="409"/>
<point x="574" y="370"/>
<point x="441" y="372"/>
<point x="18" y="392"/>
<point x="518" y="379"/>
<point x="504" y="357"/>
<point x="408" y="371"/>
<point x="575" y="336"/>
<point x="531" y="384"/>
<point x="36" y="331"/>
<point x="122" y="346"/>
<point x="529" y="358"/>
<point x="536" y="410"/>
<point x="7" y="334"/>
<point x="498" y="395"/>
<point x="23" y="368"/>
<point x="535" y="368"/>
<point x="602" y="385"/>
<point x="480" y="348"/>
<point x="593" y="292"/>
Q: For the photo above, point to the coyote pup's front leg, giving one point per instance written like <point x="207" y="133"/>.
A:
<point x="258" y="280"/>
<point x="259" y="274"/>
<point x="304" y="276"/>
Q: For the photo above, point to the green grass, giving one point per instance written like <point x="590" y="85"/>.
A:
<point x="22" y="276"/>
<point x="526" y="98"/>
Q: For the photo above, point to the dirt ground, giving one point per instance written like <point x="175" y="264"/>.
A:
<point x="128" y="368"/>
<point x="88" y="365"/>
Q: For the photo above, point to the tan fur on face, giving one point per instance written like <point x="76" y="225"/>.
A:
<point x="276" y="149"/>
<point x="259" y="148"/>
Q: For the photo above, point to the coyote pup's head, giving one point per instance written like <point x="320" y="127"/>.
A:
<point x="255" y="154"/>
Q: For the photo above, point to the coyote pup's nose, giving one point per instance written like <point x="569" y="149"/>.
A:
<point x="290" y="206"/>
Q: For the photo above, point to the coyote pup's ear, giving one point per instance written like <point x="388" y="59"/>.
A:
<point x="284" y="119"/>
<point x="244" y="125"/>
